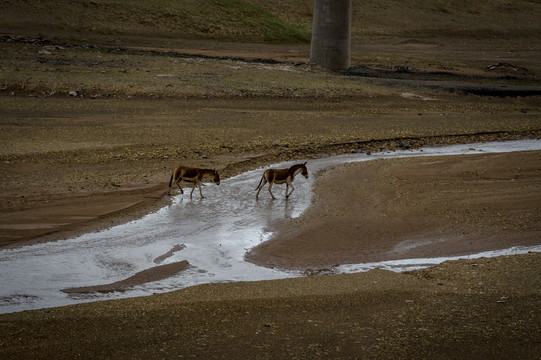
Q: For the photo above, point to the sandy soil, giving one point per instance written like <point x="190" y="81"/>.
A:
<point x="412" y="208"/>
<point x="471" y="309"/>
<point x="103" y="155"/>
<point x="97" y="163"/>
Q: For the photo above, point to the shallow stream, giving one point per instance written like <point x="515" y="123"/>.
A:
<point x="212" y="234"/>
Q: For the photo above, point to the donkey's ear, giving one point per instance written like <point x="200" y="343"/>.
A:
<point x="305" y="162"/>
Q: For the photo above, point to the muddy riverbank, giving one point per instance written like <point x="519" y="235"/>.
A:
<point x="470" y="309"/>
<point x="96" y="112"/>
<point x="412" y="208"/>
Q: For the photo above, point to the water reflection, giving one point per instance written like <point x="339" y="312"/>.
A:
<point x="212" y="234"/>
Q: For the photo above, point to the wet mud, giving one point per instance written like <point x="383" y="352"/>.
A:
<point x="197" y="241"/>
<point x="149" y="275"/>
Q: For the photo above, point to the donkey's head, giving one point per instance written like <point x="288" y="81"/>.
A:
<point x="299" y="168"/>
<point x="216" y="177"/>
<point x="304" y="170"/>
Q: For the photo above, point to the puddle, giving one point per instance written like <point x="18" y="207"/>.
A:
<point x="210" y="234"/>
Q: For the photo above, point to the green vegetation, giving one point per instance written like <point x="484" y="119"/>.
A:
<point x="268" y="21"/>
<point x="457" y="18"/>
<point x="232" y="20"/>
<point x="212" y="48"/>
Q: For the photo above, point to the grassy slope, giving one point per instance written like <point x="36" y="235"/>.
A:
<point x="285" y="21"/>
<point x="426" y="17"/>
<point x="430" y="35"/>
<point x="192" y="19"/>
<point x="443" y="17"/>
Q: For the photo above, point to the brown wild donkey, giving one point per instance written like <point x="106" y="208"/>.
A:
<point x="280" y="176"/>
<point x="193" y="175"/>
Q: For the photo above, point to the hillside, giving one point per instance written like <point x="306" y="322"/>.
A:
<point x="236" y="20"/>
<point x="276" y="21"/>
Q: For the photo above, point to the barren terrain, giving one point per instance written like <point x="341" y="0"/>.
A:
<point x="100" y="100"/>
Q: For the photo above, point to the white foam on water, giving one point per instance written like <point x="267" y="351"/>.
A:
<point x="214" y="234"/>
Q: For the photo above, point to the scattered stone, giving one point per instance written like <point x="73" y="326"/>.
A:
<point x="506" y="68"/>
<point x="405" y="144"/>
<point x="409" y="95"/>
<point x="75" y="93"/>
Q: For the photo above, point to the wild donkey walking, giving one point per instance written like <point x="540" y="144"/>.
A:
<point x="193" y="175"/>
<point x="280" y="176"/>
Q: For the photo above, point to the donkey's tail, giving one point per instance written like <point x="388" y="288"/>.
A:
<point x="260" y="181"/>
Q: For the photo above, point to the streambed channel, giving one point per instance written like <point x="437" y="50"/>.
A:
<point x="190" y="242"/>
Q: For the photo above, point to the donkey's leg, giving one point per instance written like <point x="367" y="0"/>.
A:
<point x="261" y="184"/>
<point x="174" y="180"/>
<point x="180" y="187"/>
<point x="292" y="189"/>
<point x="270" y="188"/>
<point x="200" y="192"/>
<point x="193" y="188"/>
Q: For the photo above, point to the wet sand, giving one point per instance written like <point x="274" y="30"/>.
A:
<point x="468" y="309"/>
<point x="392" y="209"/>
<point x="482" y="308"/>
<point x="109" y="153"/>
<point x="412" y="208"/>
<point x="55" y="217"/>
<point x="153" y="274"/>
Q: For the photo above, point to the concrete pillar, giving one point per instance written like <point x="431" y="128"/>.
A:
<point x="331" y="34"/>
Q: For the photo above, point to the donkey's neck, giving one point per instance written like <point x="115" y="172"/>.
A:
<point x="295" y="172"/>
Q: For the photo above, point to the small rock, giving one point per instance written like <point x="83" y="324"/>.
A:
<point x="405" y="144"/>
<point x="75" y="93"/>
